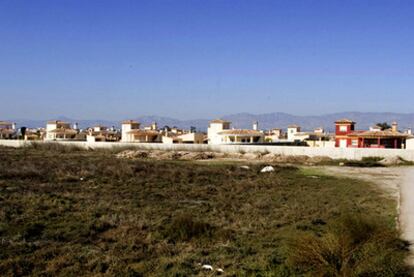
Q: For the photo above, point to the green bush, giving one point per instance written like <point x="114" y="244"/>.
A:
<point x="354" y="245"/>
<point x="372" y="159"/>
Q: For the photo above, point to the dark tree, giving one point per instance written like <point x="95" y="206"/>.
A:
<point x="23" y="131"/>
<point x="384" y="126"/>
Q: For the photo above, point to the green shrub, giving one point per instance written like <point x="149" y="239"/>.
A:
<point x="354" y="245"/>
<point x="372" y="159"/>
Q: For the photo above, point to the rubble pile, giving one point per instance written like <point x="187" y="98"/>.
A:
<point x="196" y="156"/>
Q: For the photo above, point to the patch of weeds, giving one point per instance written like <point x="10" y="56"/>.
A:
<point x="310" y="171"/>
<point x="57" y="147"/>
<point x="118" y="219"/>
<point x="363" y="163"/>
<point x="32" y="231"/>
<point x="185" y="228"/>
<point x="372" y="159"/>
<point x="354" y="245"/>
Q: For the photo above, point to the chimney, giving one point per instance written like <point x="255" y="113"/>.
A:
<point x="394" y="127"/>
<point x="14" y="126"/>
<point x="255" y="125"/>
<point x="154" y="126"/>
<point x="76" y="126"/>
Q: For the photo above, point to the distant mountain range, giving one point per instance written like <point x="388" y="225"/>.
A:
<point x="245" y="120"/>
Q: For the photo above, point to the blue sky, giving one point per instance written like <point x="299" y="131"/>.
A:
<point x="201" y="59"/>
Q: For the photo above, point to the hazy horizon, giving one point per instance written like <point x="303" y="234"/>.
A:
<point x="200" y="118"/>
<point x="203" y="59"/>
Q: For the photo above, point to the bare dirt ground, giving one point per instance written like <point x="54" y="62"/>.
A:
<point x="398" y="182"/>
<point x="407" y="209"/>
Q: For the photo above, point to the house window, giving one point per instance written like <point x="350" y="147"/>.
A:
<point x="343" y="128"/>
<point x="343" y="143"/>
<point x="354" y="142"/>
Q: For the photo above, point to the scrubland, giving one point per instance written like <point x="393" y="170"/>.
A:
<point x="72" y="212"/>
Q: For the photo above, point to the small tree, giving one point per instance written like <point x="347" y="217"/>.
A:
<point x="384" y="126"/>
<point x="23" y="132"/>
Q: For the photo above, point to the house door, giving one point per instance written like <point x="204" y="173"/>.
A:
<point x="343" y="143"/>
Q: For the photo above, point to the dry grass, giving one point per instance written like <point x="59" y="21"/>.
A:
<point x="353" y="245"/>
<point x="77" y="212"/>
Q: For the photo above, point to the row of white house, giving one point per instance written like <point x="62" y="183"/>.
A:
<point x="131" y="132"/>
<point x="218" y="132"/>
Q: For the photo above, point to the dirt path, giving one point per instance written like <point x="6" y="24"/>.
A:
<point x="407" y="209"/>
<point x="395" y="181"/>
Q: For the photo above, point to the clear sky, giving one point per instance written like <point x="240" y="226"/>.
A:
<point x="199" y="59"/>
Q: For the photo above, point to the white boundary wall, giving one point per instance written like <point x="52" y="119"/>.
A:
<point x="334" y="153"/>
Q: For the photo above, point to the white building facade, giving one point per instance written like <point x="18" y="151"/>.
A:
<point x="219" y="132"/>
<point x="59" y="130"/>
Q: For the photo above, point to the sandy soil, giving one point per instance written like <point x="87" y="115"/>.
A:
<point x="407" y="209"/>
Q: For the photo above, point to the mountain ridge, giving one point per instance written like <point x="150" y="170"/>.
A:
<point x="245" y="120"/>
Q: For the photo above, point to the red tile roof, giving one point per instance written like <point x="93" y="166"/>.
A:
<point x="345" y="120"/>
<point x="7" y="131"/>
<point x="241" y="132"/>
<point x="219" y="121"/>
<point x="143" y="132"/>
<point x="64" y="131"/>
<point x="130" y="122"/>
<point x="56" y="122"/>
<point x="379" y="134"/>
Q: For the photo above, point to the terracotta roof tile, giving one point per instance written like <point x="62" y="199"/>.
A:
<point x="345" y="120"/>
<point x="219" y="121"/>
<point x="130" y="122"/>
<point x="241" y="132"/>
<point x="7" y="131"/>
<point x="143" y="132"/>
<point x="64" y="131"/>
<point x="56" y="122"/>
<point x="379" y="134"/>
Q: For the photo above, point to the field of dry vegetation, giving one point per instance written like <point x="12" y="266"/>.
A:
<point x="71" y="212"/>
